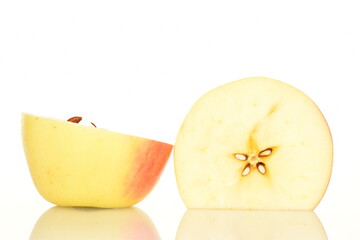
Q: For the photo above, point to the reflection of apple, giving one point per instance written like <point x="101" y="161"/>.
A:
<point x="238" y="224"/>
<point x="93" y="223"/>
<point x="256" y="143"/>
<point x="75" y="165"/>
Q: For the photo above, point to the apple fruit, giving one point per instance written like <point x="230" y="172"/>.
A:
<point x="256" y="143"/>
<point x="250" y="225"/>
<point x="76" y="165"/>
<point x="94" y="223"/>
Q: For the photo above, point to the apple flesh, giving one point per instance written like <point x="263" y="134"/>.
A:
<point x="60" y="223"/>
<point x="250" y="225"/>
<point x="255" y="143"/>
<point x="75" y="165"/>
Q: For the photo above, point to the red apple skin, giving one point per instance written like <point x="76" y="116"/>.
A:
<point x="148" y="166"/>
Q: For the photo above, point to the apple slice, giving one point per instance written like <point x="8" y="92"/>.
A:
<point x="75" y="165"/>
<point x="255" y="143"/>
<point x="60" y="223"/>
<point x="250" y="225"/>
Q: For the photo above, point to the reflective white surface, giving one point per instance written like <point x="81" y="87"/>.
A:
<point x="39" y="220"/>
<point x="92" y="223"/>
<point x="251" y="225"/>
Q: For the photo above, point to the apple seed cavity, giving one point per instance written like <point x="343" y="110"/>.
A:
<point x="261" y="167"/>
<point x="265" y="153"/>
<point x="241" y="157"/>
<point x="246" y="170"/>
<point x="254" y="161"/>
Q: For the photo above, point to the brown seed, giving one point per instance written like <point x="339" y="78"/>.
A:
<point x="75" y="119"/>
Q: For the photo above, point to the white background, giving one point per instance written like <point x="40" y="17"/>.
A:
<point x="138" y="66"/>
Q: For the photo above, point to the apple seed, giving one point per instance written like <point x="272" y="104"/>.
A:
<point x="75" y="119"/>
<point x="241" y="157"/>
<point x="265" y="152"/>
<point x="261" y="167"/>
<point x="246" y="170"/>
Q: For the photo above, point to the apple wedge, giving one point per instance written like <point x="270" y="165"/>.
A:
<point x="76" y="165"/>
<point x="256" y="143"/>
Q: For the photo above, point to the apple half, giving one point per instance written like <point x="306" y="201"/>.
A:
<point x="76" y="165"/>
<point x="256" y="143"/>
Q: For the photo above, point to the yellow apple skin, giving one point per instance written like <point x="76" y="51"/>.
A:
<point x="75" y="165"/>
<point x="93" y="223"/>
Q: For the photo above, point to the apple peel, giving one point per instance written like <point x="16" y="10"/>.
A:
<point x="75" y="165"/>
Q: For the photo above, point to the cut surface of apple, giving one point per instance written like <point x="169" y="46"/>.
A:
<point x="256" y="143"/>
<point x="75" y="165"/>
<point x="250" y="225"/>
